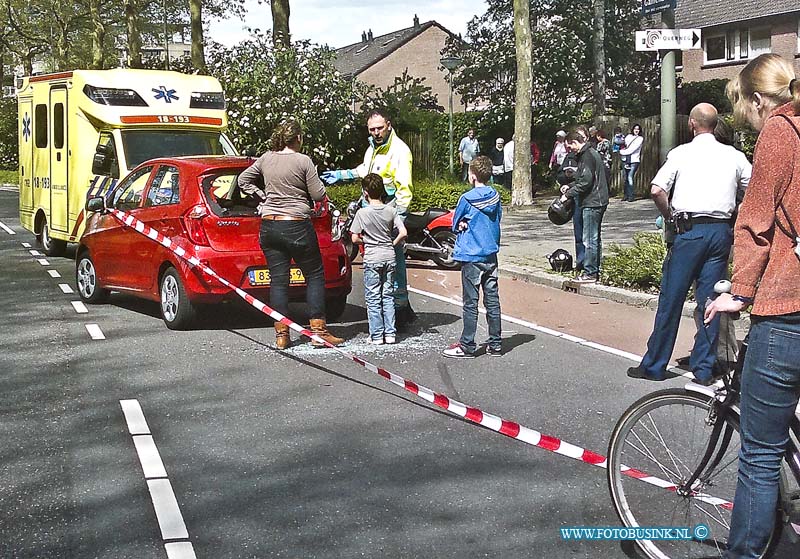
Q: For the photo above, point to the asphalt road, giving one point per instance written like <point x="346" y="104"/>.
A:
<point x="295" y="454"/>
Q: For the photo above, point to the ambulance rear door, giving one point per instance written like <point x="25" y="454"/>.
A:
<point x="26" y="155"/>
<point x="59" y="201"/>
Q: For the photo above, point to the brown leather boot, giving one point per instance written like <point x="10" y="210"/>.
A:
<point x="319" y="327"/>
<point x="282" y="339"/>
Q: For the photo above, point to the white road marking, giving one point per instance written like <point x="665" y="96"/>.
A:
<point x="95" y="332"/>
<point x="137" y="425"/>
<point x="167" y="510"/>
<point x="35" y="253"/>
<point x="79" y="307"/>
<point x="556" y="333"/>
<point x="54" y="273"/>
<point x="26" y="245"/>
<point x="43" y="261"/>
<point x="6" y="228"/>
<point x="180" y="550"/>
<point x="65" y="288"/>
<point x="6" y="188"/>
<point x="152" y="466"/>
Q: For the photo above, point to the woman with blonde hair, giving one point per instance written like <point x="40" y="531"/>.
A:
<point x="288" y="185"/>
<point x="766" y="272"/>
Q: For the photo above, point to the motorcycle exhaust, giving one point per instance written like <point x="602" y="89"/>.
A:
<point x="412" y="247"/>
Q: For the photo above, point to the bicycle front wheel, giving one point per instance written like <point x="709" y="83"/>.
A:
<point x="665" y="435"/>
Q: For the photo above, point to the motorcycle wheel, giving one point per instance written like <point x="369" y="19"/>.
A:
<point x="447" y="239"/>
<point x="351" y="249"/>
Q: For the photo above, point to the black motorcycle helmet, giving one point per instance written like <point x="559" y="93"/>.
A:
<point x="560" y="260"/>
<point x="561" y="212"/>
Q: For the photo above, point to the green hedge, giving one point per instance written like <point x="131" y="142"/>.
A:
<point x="9" y="177"/>
<point x="427" y="194"/>
<point x="637" y="267"/>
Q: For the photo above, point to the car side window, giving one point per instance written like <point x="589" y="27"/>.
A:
<point x="164" y="189"/>
<point x="128" y="195"/>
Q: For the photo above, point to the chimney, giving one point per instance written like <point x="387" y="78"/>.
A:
<point x="363" y="36"/>
<point x="416" y="21"/>
<point x="369" y="35"/>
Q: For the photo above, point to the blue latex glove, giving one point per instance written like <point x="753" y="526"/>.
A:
<point x="332" y="177"/>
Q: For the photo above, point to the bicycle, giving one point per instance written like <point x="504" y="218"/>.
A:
<point x="686" y="442"/>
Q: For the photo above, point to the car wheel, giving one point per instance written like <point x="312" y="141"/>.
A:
<point x="334" y="308"/>
<point x="448" y="240"/>
<point x="86" y="279"/>
<point x="51" y="246"/>
<point x="350" y="248"/>
<point x="177" y="310"/>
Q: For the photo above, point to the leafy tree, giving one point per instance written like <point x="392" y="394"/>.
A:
<point x="407" y="101"/>
<point x="265" y="84"/>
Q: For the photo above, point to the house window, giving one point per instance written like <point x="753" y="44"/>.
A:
<point x="737" y="44"/>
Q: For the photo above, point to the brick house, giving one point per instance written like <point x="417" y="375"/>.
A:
<point x="378" y="60"/>
<point x="736" y="32"/>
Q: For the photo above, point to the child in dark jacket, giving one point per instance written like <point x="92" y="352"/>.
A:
<point x="477" y="223"/>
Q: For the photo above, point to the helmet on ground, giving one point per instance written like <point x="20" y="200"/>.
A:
<point x="561" y="212"/>
<point x="560" y="260"/>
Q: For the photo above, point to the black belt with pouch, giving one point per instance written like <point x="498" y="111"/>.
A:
<point x="684" y="221"/>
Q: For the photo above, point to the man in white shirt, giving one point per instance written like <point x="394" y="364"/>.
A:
<point x="508" y="163"/>
<point x="704" y="177"/>
<point x="468" y="150"/>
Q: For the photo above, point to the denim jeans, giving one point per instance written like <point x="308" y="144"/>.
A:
<point x="629" y="195"/>
<point x="475" y="276"/>
<point x="592" y="241"/>
<point x="282" y="242"/>
<point x="379" y="294"/>
<point x="770" y="389"/>
<point x="577" y="226"/>
<point x="699" y="254"/>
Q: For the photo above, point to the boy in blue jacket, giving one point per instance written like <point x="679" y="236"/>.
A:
<point x="477" y="224"/>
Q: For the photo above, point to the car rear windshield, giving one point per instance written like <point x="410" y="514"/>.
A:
<point x="224" y="197"/>
<point x="141" y="145"/>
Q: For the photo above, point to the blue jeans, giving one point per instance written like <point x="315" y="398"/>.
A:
<point x="770" y="388"/>
<point x="284" y="241"/>
<point x="592" y="241"/>
<point x="379" y="294"/>
<point x="475" y="276"/>
<point x="700" y="254"/>
<point x="629" y="181"/>
<point x="577" y="226"/>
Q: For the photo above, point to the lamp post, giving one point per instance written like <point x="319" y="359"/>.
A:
<point x="451" y="63"/>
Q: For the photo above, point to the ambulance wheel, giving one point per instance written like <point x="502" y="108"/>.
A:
<point x="51" y="246"/>
<point x="86" y="280"/>
<point x="177" y="310"/>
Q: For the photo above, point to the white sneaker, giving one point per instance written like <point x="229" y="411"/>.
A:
<point x="389" y="339"/>
<point x="376" y="342"/>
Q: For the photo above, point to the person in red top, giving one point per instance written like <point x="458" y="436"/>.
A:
<point x="766" y="274"/>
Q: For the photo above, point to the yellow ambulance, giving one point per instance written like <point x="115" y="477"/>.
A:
<point x="81" y="131"/>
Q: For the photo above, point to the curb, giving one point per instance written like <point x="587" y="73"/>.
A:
<point x="616" y="294"/>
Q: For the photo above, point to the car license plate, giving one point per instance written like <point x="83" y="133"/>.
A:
<point x="261" y="277"/>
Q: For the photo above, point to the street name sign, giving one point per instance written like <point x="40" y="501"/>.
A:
<point x="650" y="7"/>
<point x="668" y="39"/>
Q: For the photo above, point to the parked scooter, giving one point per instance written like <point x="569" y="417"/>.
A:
<point x="430" y="235"/>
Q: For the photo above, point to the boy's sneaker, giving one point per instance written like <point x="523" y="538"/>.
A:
<point x="389" y="339"/>
<point x="494" y="351"/>
<point x="585" y="278"/>
<point x="457" y="352"/>
<point x="379" y="341"/>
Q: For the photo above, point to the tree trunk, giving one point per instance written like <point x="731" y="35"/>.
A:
<point x="522" y="193"/>
<point x="198" y="42"/>
<point x="280" y="23"/>
<point x="134" y="35"/>
<point x="599" y="54"/>
<point x="98" y="35"/>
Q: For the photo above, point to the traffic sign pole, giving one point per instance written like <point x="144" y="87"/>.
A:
<point x="669" y="107"/>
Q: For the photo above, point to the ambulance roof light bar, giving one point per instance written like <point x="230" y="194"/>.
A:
<point x="113" y="96"/>
<point x="207" y="100"/>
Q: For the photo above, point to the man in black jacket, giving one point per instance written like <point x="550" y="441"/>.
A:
<point x="590" y="189"/>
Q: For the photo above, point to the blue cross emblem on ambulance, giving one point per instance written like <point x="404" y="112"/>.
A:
<point x="26" y="126"/>
<point x="167" y="95"/>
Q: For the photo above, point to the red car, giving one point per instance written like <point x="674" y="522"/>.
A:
<point x="196" y="202"/>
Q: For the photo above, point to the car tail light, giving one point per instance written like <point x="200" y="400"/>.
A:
<point x="193" y="223"/>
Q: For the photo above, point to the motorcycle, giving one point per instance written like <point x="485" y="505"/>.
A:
<point x="430" y="235"/>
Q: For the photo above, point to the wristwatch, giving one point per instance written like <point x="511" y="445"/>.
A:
<point x="742" y="299"/>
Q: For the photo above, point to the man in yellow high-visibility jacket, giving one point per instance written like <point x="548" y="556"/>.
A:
<point x="389" y="157"/>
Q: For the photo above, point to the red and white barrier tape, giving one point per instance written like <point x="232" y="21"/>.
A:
<point x="508" y="428"/>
